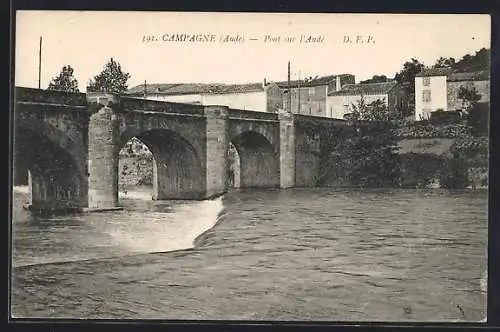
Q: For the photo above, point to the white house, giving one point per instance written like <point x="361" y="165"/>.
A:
<point x="437" y="89"/>
<point x="430" y="92"/>
<point x="340" y="103"/>
<point x="260" y="97"/>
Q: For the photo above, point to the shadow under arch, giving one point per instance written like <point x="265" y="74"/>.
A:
<point x="59" y="139"/>
<point x="177" y="170"/>
<point x="259" y="161"/>
<point x="57" y="181"/>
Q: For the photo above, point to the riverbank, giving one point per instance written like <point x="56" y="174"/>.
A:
<point x="436" y="163"/>
<point x="416" y="156"/>
<point x="422" y="162"/>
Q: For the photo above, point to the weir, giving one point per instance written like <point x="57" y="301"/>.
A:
<point x="77" y="166"/>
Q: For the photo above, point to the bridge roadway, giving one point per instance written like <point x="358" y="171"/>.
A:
<point x="68" y="143"/>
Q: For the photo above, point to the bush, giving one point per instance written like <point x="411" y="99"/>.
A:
<point x="366" y="154"/>
<point x="441" y="117"/>
<point x="425" y="129"/>
<point x="478" y="119"/>
<point x="471" y="146"/>
<point x="420" y="170"/>
<point x="455" y="173"/>
<point x="470" y="161"/>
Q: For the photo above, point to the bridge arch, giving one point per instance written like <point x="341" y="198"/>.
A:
<point x="258" y="160"/>
<point x="55" y="164"/>
<point x="59" y="139"/>
<point x="177" y="168"/>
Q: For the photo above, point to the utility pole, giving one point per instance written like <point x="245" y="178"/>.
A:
<point x="40" y="64"/>
<point x="298" y="106"/>
<point x="145" y="89"/>
<point x="289" y="108"/>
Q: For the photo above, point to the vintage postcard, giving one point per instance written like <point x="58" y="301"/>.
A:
<point x="250" y="166"/>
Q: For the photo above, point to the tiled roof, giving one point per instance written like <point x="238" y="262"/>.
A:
<point x="434" y="72"/>
<point x="365" y="89"/>
<point x="470" y="76"/>
<point x="323" y="80"/>
<point x="195" y="88"/>
<point x="150" y="88"/>
<point x="456" y="76"/>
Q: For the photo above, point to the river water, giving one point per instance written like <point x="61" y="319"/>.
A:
<point x="298" y="254"/>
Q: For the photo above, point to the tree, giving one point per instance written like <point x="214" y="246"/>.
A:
<point x="469" y="97"/>
<point x="445" y="63"/>
<point x="65" y="81"/>
<point x="375" y="79"/>
<point x="406" y="76"/>
<point x="111" y="79"/>
<point x="375" y="112"/>
<point x="476" y="114"/>
<point x="367" y="153"/>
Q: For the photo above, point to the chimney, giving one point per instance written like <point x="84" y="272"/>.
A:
<point x="337" y="83"/>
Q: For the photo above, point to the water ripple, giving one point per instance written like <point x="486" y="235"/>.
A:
<point x="320" y="254"/>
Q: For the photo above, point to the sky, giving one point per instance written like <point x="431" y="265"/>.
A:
<point x="86" y="40"/>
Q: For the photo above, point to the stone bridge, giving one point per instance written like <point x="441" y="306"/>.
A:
<point x="66" y="147"/>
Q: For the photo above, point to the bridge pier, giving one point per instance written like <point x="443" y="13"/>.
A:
<point x="103" y="154"/>
<point x="20" y="170"/>
<point x="216" y="149"/>
<point x="287" y="150"/>
<point x="307" y="158"/>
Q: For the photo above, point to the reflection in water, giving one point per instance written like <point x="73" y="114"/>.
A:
<point x="306" y="254"/>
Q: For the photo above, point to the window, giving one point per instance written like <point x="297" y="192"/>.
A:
<point x="426" y="96"/>
<point x="426" y="81"/>
<point x="312" y="91"/>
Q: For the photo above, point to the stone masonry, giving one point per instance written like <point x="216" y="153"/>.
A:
<point x="103" y="158"/>
<point x="189" y="144"/>
<point x="287" y="150"/>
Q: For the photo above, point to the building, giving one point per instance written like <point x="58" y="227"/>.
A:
<point x="437" y="89"/>
<point x="263" y="97"/>
<point x="341" y="102"/>
<point x="309" y="96"/>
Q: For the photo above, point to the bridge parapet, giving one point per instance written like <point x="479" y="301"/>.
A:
<point x="136" y="104"/>
<point x="40" y="96"/>
<point x="252" y="115"/>
<point x="315" y="121"/>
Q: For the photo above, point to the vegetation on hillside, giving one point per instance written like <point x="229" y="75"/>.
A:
<point x="376" y="79"/>
<point x="468" y="63"/>
<point x="480" y="60"/>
